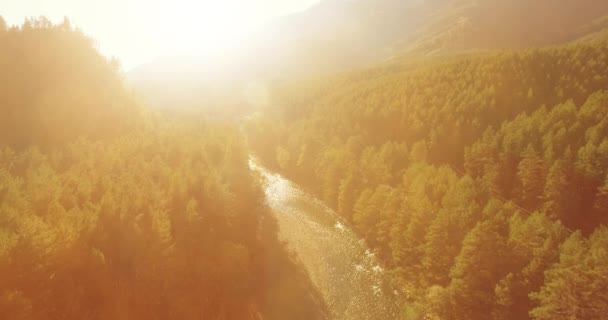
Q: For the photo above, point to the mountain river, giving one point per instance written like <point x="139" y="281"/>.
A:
<point x="346" y="272"/>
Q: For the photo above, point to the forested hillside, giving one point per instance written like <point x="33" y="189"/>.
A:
<point x="336" y="35"/>
<point x="108" y="211"/>
<point x="55" y="86"/>
<point x="481" y="180"/>
<point x="496" y="24"/>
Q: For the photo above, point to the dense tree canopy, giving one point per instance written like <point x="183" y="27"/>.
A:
<point x="55" y="86"/>
<point x="108" y="211"/>
<point x="479" y="179"/>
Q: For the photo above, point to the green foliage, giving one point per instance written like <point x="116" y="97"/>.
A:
<point x="172" y="221"/>
<point x="53" y="76"/>
<point x="464" y="175"/>
<point x="575" y="288"/>
<point x="561" y="182"/>
<point x="107" y="212"/>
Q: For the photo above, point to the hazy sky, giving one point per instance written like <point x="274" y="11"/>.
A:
<point x="137" y="31"/>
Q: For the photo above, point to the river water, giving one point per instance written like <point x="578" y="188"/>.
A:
<point x="345" y="271"/>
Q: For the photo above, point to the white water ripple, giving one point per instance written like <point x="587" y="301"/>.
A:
<point x="351" y="280"/>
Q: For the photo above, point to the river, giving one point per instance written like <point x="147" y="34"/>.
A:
<point x="346" y="272"/>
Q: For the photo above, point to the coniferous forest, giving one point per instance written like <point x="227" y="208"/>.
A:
<point x="111" y="211"/>
<point x="449" y="158"/>
<point x="480" y="180"/>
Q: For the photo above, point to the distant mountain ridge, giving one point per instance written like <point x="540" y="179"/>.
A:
<point x="516" y="24"/>
<point x="336" y="35"/>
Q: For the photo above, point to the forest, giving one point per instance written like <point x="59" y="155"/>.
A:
<point x="480" y="179"/>
<point x="109" y="210"/>
<point x="468" y="169"/>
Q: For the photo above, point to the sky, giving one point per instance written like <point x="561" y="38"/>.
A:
<point x="139" y="31"/>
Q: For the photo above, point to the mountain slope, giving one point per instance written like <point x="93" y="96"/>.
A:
<point x="330" y="36"/>
<point x="338" y="35"/>
<point x="479" y="178"/>
<point x="110" y="211"/>
<point x="496" y="24"/>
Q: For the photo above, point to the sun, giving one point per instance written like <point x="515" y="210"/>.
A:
<point x="194" y="27"/>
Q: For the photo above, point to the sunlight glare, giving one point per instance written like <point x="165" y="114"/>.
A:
<point x="198" y="27"/>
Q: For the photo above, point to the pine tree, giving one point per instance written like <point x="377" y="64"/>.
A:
<point x="556" y="191"/>
<point x="482" y="262"/>
<point x="600" y="208"/>
<point x="561" y="296"/>
<point x="531" y="176"/>
<point x="3" y="25"/>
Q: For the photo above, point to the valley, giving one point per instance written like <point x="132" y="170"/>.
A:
<point x="339" y="160"/>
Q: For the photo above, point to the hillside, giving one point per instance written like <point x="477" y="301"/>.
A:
<point x="480" y="179"/>
<point x="110" y="211"/>
<point x="52" y="67"/>
<point x="494" y="24"/>
<point x="438" y="159"/>
<point x="337" y="35"/>
<point x="342" y="34"/>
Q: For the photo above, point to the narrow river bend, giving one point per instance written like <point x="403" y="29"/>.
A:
<point x="353" y="284"/>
